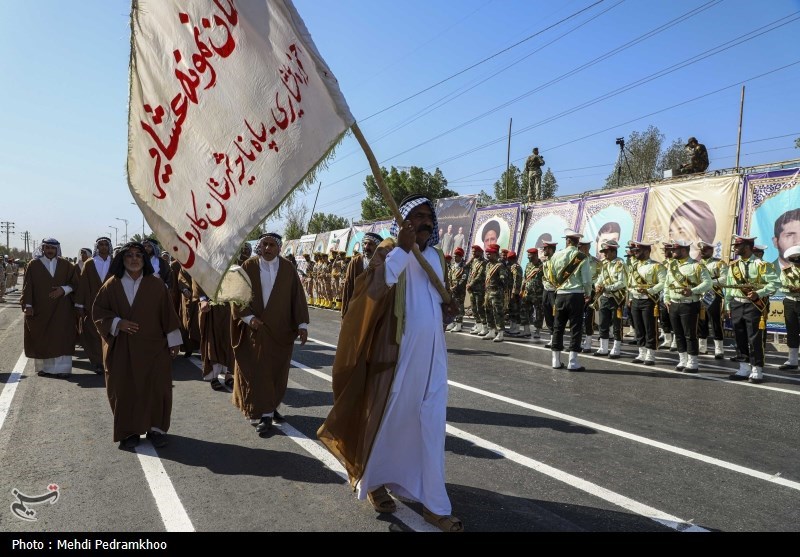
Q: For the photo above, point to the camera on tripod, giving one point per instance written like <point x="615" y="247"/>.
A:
<point x="621" y="142"/>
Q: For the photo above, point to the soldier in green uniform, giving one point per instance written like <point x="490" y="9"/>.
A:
<point x="687" y="281"/>
<point x="588" y="312"/>
<point x="646" y="281"/>
<point x="790" y="285"/>
<point x="531" y="295"/>
<point x="663" y="310"/>
<point x="514" y="289"/>
<point x="475" y="288"/>
<point x="572" y="281"/>
<point x="611" y="286"/>
<point x="457" y="281"/>
<point x="712" y="302"/>
<point x="494" y="286"/>
<point x="749" y="284"/>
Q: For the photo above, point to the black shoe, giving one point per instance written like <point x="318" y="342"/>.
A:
<point x="586" y="351"/>
<point x="547" y="345"/>
<point x="264" y="425"/>
<point x="690" y="370"/>
<point x="129" y="443"/>
<point x="637" y="361"/>
<point x="719" y="356"/>
<point x="217" y="385"/>
<point x="98" y="369"/>
<point x="277" y="417"/>
<point x="158" y="439"/>
<point x="735" y="377"/>
<point x="735" y="359"/>
<point x="671" y="349"/>
<point x="754" y="380"/>
<point x="613" y="356"/>
<point x="787" y="367"/>
<point x="679" y="368"/>
<point x="649" y="363"/>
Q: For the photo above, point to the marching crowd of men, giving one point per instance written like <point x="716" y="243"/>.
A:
<point x="680" y="300"/>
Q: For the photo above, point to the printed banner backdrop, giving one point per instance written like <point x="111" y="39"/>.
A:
<point x="231" y="107"/>
<point x="305" y="245"/>
<point x="546" y="222"/>
<point x="699" y="209"/>
<point x="771" y="213"/>
<point x="321" y="242"/>
<point x="455" y="216"/>
<point x="289" y="248"/>
<point x="613" y="216"/>
<point x="338" y="239"/>
<point x="382" y="227"/>
<point x="356" y="233"/>
<point x="496" y="224"/>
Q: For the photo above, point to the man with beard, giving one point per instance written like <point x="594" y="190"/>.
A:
<point x="49" y="332"/>
<point x="134" y="315"/>
<point x="263" y="334"/>
<point x="245" y="253"/>
<point x="387" y="424"/>
<point x="95" y="272"/>
<point x="358" y="264"/>
<point x="160" y="266"/>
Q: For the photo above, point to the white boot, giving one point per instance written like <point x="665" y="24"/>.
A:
<point x="681" y="361"/>
<point x="450" y="326"/>
<point x="640" y="358"/>
<point x="691" y="364"/>
<point x="703" y="345"/>
<point x="557" y="360"/>
<point x="456" y="327"/>
<point x="791" y="363"/>
<point x="484" y="330"/>
<point x="526" y="331"/>
<point x="499" y="337"/>
<point x="719" y="349"/>
<point x="742" y="374"/>
<point x="667" y="340"/>
<point x="756" y="374"/>
<point x="587" y="344"/>
<point x="650" y="357"/>
<point x="573" y="364"/>
<point x="616" y="350"/>
<point x="603" y="351"/>
<point x="673" y="346"/>
<point x="490" y="334"/>
<point x="476" y="329"/>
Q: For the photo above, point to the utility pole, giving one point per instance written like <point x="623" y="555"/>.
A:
<point x="25" y="237"/>
<point x="8" y="228"/>
<point x="508" y="155"/>
<point x="319" y="186"/>
<point x="125" y="238"/>
<point x="116" y="236"/>
<point x="739" y="141"/>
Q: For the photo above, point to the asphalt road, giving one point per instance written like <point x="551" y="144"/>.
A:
<point x="619" y="447"/>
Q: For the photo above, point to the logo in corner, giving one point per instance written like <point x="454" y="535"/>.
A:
<point x="21" y="508"/>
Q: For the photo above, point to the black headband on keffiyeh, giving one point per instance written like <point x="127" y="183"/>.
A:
<point x="277" y="237"/>
<point x="406" y="205"/>
<point x="117" y="267"/>
<point x="372" y="237"/>
<point x="48" y="242"/>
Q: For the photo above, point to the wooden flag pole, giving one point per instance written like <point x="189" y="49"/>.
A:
<point x="387" y="196"/>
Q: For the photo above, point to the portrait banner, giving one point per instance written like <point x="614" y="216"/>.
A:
<point x="695" y="210"/>
<point x="231" y="107"/>
<point x="546" y="223"/>
<point x="455" y="216"/>
<point x="613" y="216"/>
<point x="305" y="245"/>
<point x="338" y="239"/>
<point x="356" y="235"/>
<point x="771" y="213"/>
<point x="382" y="228"/>
<point x="496" y="225"/>
<point x="321" y="242"/>
<point x="289" y="248"/>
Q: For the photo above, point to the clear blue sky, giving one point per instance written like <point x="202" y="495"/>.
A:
<point x="64" y="69"/>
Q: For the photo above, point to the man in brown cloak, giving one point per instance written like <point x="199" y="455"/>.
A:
<point x="95" y="272"/>
<point x="49" y="333"/>
<point x="216" y="350"/>
<point x="263" y="333"/>
<point x="134" y="315"/>
<point x="358" y="264"/>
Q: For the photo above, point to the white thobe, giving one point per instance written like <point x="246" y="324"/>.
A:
<point x="408" y="453"/>
<point x="130" y="286"/>
<point x="59" y="364"/>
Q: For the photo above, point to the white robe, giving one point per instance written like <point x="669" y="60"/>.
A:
<point x="408" y="453"/>
<point x="59" y="364"/>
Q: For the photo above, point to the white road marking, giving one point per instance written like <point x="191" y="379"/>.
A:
<point x="174" y="516"/>
<point x="10" y="387"/>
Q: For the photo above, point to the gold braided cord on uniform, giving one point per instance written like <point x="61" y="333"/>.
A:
<point x="741" y="280"/>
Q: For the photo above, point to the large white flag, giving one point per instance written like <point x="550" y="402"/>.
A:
<point x="231" y="107"/>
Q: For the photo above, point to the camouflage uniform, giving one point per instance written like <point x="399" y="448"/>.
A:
<point x="531" y="295"/>
<point x="476" y="289"/>
<point x="457" y="281"/>
<point x="514" y="289"/>
<point x="495" y="284"/>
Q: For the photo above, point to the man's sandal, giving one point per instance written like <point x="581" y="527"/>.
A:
<point x="444" y="523"/>
<point x="381" y="500"/>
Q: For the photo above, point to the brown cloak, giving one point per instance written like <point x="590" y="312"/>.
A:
<point x="354" y="269"/>
<point x="88" y="287"/>
<point x="189" y="312"/>
<point x="138" y="367"/>
<point x="363" y="369"/>
<point x="50" y="332"/>
<point x="215" y="333"/>
<point x="263" y="356"/>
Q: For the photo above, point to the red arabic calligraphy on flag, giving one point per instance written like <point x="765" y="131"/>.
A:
<point x="231" y="108"/>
